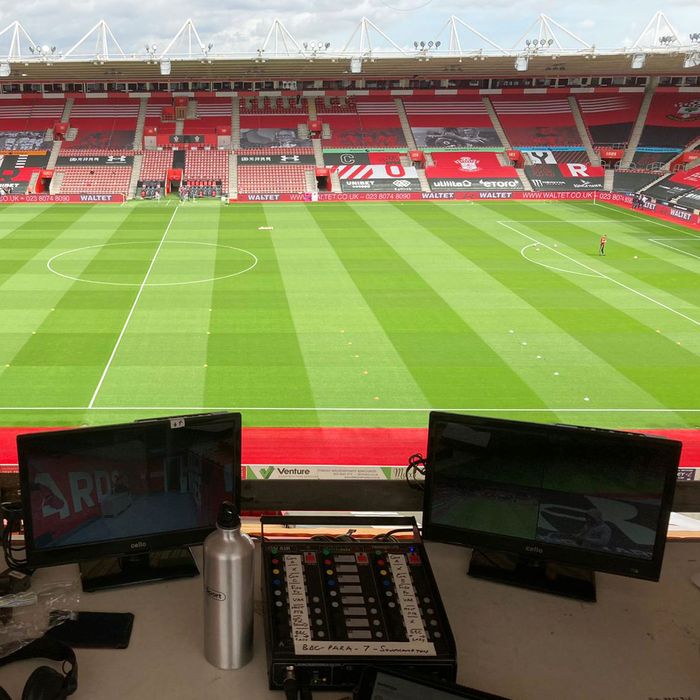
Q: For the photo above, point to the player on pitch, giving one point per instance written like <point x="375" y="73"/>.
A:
<point x="603" y="241"/>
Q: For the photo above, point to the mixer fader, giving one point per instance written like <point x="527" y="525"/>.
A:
<point x="333" y="607"/>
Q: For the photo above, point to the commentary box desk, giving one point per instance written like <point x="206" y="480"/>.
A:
<point x="640" y="641"/>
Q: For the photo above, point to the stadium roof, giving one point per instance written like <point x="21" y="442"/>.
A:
<point x="459" y="51"/>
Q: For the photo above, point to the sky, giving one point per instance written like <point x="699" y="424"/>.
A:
<point x="242" y="25"/>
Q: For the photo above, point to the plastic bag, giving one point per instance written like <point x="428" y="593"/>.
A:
<point x="27" y="615"/>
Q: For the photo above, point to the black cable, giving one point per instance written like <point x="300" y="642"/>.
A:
<point x="416" y="466"/>
<point x="11" y="514"/>
<point x="290" y="685"/>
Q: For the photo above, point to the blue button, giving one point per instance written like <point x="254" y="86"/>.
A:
<point x="387" y="583"/>
<point x="331" y="582"/>
<point x="276" y="582"/>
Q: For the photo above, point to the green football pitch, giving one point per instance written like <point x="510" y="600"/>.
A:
<point x="348" y="314"/>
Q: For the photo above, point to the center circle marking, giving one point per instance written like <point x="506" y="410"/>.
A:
<point x="51" y="267"/>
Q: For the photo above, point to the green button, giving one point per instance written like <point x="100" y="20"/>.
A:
<point x="274" y="550"/>
<point x="326" y="552"/>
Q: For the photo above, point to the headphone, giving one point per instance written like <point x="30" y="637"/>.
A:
<point x="45" y="683"/>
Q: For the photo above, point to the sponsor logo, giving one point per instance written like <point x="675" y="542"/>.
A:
<point x="533" y="548"/>
<point x="686" y="111"/>
<point x="495" y="195"/>
<point x="216" y="595"/>
<point x="401" y="183"/>
<point x="266" y="472"/>
<point x="347" y="158"/>
<point x="289" y="159"/>
<point x="680" y="214"/>
<point x="467" y="164"/>
<point x="263" y="197"/>
<point x="501" y="184"/>
<point x="452" y="183"/>
<point x="438" y="195"/>
<point x="548" y="183"/>
<point x="587" y="185"/>
<point x="95" y="197"/>
<point x="293" y="471"/>
<point x="138" y="545"/>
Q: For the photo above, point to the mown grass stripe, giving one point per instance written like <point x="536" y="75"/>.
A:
<point x="253" y="353"/>
<point x="349" y="359"/>
<point x="448" y="360"/>
<point x="513" y="328"/>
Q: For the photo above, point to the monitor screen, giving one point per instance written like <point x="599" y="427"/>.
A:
<point x="596" y="498"/>
<point x="124" y="489"/>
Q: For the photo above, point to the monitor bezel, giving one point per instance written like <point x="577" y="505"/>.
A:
<point x="52" y="556"/>
<point x="537" y="550"/>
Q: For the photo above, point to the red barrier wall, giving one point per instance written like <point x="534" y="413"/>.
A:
<point x="62" y="199"/>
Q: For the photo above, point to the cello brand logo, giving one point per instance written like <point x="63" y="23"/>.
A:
<point x="138" y="545"/>
<point x="216" y="595"/>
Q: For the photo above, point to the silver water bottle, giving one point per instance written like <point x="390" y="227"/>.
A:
<point x="228" y="592"/>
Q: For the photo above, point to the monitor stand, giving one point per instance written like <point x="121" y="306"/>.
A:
<point x="114" y="572"/>
<point x="546" y="576"/>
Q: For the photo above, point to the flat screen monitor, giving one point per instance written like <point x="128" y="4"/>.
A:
<point x="545" y="506"/>
<point x="125" y="500"/>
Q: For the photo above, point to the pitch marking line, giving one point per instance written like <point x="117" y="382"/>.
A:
<point x="131" y="312"/>
<point x="603" y="275"/>
<point x="660" y="241"/>
<point x="369" y="409"/>
<point x="551" y="267"/>
<point x="51" y="268"/>
<point x="641" y="217"/>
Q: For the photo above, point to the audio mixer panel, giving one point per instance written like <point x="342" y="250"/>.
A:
<point x="332" y="607"/>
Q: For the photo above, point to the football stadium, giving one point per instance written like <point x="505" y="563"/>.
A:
<point x="336" y="241"/>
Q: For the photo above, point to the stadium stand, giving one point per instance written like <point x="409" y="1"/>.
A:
<point x="609" y="118"/>
<point x="154" y="111"/>
<point x="653" y="159"/>
<point x="470" y="171"/>
<point x="673" y="121"/>
<point x="632" y="180"/>
<point x="362" y="124"/>
<point x="532" y="122"/>
<point x="103" y="124"/>
<point x="253" y="179"/>
<point x="155" y="165"/>
<point x="445" y="122"/>
<point x="278" y="105"/>
<point x="211" y="166"/>
<point x="212" y="113"/>
<point x="24" y="124"/>
<point x="97" y="180"/>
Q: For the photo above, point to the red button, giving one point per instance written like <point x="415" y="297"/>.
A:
<point x="309" y="557"/>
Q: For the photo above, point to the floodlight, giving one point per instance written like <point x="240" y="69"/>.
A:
<point x="527" y="42"/>
<point x="638" y="61"/>
<point x="422" y="44"/>
<point x="437" y="44"/>
<point x="430" y="44"/>
<point x="692" y="60"/>
<point x="5" y="70"/>
<point x="327" y="45"/>
<point x="415" y="45"/>
<point x="165" y="66"/>
<point x="550" y="42"/>
<point x="31" y="48"/>
<point x="521" y="63"/>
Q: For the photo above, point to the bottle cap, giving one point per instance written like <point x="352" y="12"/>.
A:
<point x="228" y="516"/>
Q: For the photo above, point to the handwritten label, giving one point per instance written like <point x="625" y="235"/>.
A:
<point x="296" y="592"/>
<point x="407" y="599"/>
<point x="319" y="648"/>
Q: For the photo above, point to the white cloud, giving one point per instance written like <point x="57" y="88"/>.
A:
<point x="241" y="25"/>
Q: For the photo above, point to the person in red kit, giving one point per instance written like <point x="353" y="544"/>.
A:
<point x="603" y="241"/>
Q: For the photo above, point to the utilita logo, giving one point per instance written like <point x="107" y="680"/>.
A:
<point x="138" y="545"/>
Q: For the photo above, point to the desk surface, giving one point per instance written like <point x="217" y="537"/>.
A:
<point x="640" y="640"/>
